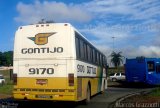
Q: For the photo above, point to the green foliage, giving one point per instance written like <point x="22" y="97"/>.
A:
<point x="155" y="92"/>
<point x="8" y="86"/>
<point x="6" y="89"/>
<point x="6" y="58"/>
<point x="6" y="74"/>
<point x="116" y="58"/>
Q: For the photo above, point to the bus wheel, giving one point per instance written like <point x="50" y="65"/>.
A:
<point x="88" y="95"/>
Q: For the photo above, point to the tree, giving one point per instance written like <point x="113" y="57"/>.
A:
<point x="6" y="58"/>
<point x="3" y="60"/>
<point x="116" y="58"/>
<point x="0" y="58"/>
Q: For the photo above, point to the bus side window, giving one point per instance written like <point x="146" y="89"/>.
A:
<point x="77" y="48"/>
<point x="97" y="58"/>
<point x="88" y="53"/>
<point x="104" y="62"/>
<point x="158" y="68"/>
<point x="81" y="50"/>
<point x="151" y="66"/>
<point x="94" y="57"/>
<point x="85" y="51"/>
<point x="101" y="59"/>
<point x="91" y="54"/>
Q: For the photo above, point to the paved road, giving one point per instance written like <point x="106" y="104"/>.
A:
<point x="98" y="101"/>
<point x="111" y="95"/>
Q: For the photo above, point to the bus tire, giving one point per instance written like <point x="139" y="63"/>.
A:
<point x="88" y="95"/>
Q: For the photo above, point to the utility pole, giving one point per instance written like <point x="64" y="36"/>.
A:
<point x="113" y="42"/>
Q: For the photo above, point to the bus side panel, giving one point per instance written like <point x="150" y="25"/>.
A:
<point x="153" y="71"/>
<point x="104" y="79"/>
<point x="99" y="75"/>
<point x="88" y="75"/>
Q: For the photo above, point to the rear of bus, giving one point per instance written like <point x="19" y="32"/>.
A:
<point x="135" y="70"/>
<point x="43" y="56"/>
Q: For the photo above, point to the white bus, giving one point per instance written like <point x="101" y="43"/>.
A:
<point x="53" y="61"/>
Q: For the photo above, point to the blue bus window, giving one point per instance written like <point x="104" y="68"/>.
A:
<point x="151" y="66"/>
<point x="158" y="68"/>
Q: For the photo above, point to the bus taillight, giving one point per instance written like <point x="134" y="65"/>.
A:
<point x="71" y="79"/>
<point x="15" y="79"/>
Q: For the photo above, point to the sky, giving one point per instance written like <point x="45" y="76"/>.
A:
<point x="134" y="24"/>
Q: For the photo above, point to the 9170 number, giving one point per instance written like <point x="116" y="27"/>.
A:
<point x="41" y="71"/>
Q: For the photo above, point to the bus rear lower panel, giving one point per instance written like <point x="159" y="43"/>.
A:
<point x="52" y="89"/>
<point x="57" y="96"/>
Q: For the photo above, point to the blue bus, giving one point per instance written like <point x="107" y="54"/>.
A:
<point x="143" y="70"/>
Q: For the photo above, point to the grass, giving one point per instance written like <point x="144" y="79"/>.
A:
<point x="155" y="92"/>
<point x="8" y="86"/>
<point x="152" y="97"/>
<point x="5" y="73"/>
<point x="6" y="89"/>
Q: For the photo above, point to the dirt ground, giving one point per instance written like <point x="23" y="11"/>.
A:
<point x="3" y="96"/>
<point x="143" y="99"/>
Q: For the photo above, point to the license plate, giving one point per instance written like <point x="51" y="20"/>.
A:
<point x="41" y="81"/>
<point x="44" y="96"/>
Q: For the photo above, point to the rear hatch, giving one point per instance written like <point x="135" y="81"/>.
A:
<point x="135" y="71"/>
<point x="42" y="73"/>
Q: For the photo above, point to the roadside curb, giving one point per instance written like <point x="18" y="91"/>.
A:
<point x="119" y="100"/>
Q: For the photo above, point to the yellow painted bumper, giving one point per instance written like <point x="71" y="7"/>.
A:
<point x="56" y="97"/>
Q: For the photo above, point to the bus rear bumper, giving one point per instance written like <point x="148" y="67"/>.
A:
<point x="55" y="97"/>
